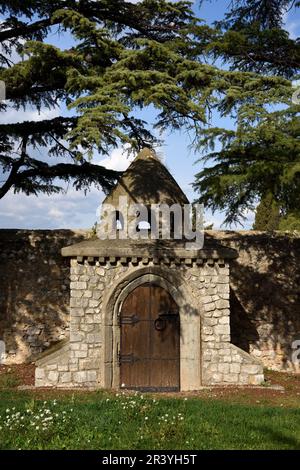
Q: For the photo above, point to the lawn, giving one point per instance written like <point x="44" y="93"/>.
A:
<point x="228" y="418"/>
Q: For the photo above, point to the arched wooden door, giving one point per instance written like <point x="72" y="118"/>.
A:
<point x="150" y="340"/>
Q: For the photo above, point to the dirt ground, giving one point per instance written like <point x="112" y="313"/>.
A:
<point x="280" y="388"/>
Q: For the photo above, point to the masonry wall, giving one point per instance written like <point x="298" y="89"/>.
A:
<point x="264" y="295"/>
<point x="201" y="290"/>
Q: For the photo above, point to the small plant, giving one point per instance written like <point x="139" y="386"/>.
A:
<point x="8" y="380"/>
<point x="40" y="420"/>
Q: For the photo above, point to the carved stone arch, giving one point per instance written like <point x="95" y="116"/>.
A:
<point x="190" y="347"/>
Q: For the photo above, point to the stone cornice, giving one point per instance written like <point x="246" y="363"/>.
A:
<point x="144" y="251"/>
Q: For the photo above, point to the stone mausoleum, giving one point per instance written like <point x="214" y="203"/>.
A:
<point x="148" y="314"/>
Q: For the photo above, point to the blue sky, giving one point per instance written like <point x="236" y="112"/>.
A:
<point x="73" y="209"/>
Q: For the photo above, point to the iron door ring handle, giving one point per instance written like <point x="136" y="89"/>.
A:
<point x="160" y="324"/>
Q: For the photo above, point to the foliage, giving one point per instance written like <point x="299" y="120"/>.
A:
<point x="267" y="215"/>
<point x="156" y="53"/>
<point x="260" y="156"/>
<point x="125" y="57"/>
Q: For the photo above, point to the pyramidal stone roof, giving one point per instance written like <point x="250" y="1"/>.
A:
<point x="147" y="181"/>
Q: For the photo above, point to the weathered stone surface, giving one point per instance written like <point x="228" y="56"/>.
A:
<point x="47" y="303"/>
<point x="222" y="329"/>
<point x="209" y="307"/>
<point x="39" y="373"/>
<point x="220" y="304"/>
<point x="53" y="376"/>
<point x="250" y="369"/>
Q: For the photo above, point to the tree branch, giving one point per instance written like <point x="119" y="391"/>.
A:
<point x="25" y="30"/>
<point x="14" y="170"/>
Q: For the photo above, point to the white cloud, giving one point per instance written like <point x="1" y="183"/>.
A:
<point x="56" y="213"/>
<point x="292" y="25"/>
<point x="67" y="210"/>
<point x="118" y="160"/>
<point x="12" y="115"/>
<point x="217" y="220"/>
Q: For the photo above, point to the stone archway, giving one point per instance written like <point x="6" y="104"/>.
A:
<point x="190" y="326"/>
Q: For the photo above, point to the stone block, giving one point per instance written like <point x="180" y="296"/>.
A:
<point x="80" y="354"/>
<point x="97" y="294"/>
<point x="76" y="312"/>
<point x="223" y="288"/>
<point x="220" y="304"/>
<point x="227" y="359"/>
<point x="88" y="294"/>
<point x="206" y="357"/>
<point x="224" y="368"/>
<point x="210" y="290"/>
<point x="225" y="352"/>
<point x="235" y="368"/>
<point x="217" y="377"/>
<point x="39" y="373"/>
<point x="88" y="364"/>
<point x="209" y="307"/>
<point x="210" y="321"/>
<point x="53" y="377"/>
<point x="91" y="376"/>
<point x="78" y="285"/>
<point x="244" y="379"/>
<point x="218" y="313"/>
<point x="76" y="294"/>
<point x="225" y="296"/>
<point x="207" y="330"/>
<point x="231" y="378"/>
<point x="251" y="369"/>
<point x="65" y="377"/>
<point x="209" y="338"/>
<point x="78" y="269"/>
<point x="79" y="302"/>
<point x="100" y="271"/>
<point x="225" y="338"/>
<point x="257" y="379"/>
<point x="208" y="314"/>
<point x="222" y="329"/>
<point x="76" y="337"/>
<point x="63" y="368"/>
<point x="224" y="320"/>
<point x="80" y="377"/>
<point x="236" y="358"/>
<point x="89" y="328"/>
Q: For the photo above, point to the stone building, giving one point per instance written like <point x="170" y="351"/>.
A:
<point x="148" y="314"/>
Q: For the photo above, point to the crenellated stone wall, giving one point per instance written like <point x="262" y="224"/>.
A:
<point x="201" y="290"/>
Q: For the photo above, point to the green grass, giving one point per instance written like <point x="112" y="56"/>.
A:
<point x="104" y="421"/>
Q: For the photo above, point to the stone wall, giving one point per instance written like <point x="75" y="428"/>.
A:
<point x="201" y="290"/>
<point x="264" y="295"/>
<point x="34" y="290"/>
